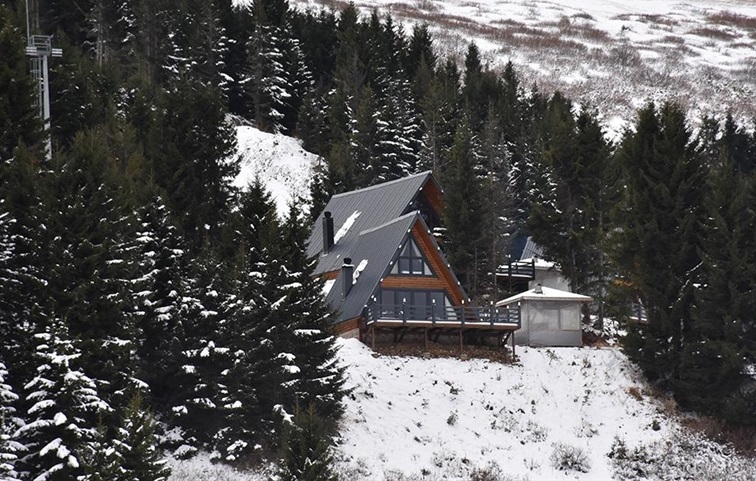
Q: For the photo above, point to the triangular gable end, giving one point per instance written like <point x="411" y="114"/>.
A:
<point x="404" y="272"/>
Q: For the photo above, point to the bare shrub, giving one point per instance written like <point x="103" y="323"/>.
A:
<point x="625" y="55"/>
<point x="584" y="16"/>
<point x="714" y="33"/>
<point x="634" y="392"/>
<point x="672" y="39"/>
<point x="683" y="452"/>
<point x="741" y="438"/>
<point x="569" y="458"/>
<point x="426" y="5"/>
<point x="731" y="18"/>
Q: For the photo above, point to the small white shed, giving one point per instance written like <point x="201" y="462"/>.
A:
<point x="550" y="317"/>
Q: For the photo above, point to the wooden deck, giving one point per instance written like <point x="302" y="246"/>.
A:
<point x="517" y="270"/>
<point x="433" y="322"/>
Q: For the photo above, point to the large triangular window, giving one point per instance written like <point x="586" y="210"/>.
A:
<point x="411" y="261"/>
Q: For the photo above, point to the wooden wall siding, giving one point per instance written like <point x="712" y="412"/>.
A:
<point x="442" y="278"/>
<point x="434" y="196"/>
<point x="346" y="326"/>
<point x="331" y="275"/>
<point x="414" y="282"/>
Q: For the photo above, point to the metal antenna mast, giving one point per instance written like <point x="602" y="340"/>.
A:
<point x="39" y="48"/>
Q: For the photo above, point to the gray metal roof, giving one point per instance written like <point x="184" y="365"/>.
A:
<point x="366" y="209"/>
<point x="531" y="250"/>
<point x="378" y="246"/>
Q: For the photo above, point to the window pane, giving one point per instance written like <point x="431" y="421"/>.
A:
<point x="404" y="266"/>
<point x="417" y="266"/>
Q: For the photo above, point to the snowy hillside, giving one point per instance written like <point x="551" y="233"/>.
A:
<point x="446" y="419"/>
<point x="616" y="55"/>
<point x="278" y="161"/>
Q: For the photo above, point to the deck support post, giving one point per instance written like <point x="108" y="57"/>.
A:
<point x="426" y="338"/>
<point x="372" y="330"/>
<point x="513" y="346"/>
<point x="461" y="343"/>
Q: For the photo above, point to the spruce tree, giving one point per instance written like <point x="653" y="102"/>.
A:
<point x="255" y="381"/>
<point x="9" y="447"/>
<point x="136" y="441"/>
<point x="64" y="405"/>
<point x="190" y="152"/>
<point x="316" y="377"/>
<point x="713" y="361"/>
<point x="89" y="264"/>
<point x="307" y="453"/>
<point x="464" y="208"/>
<point x="160" y="286"/>
<point x="658" y="243"/>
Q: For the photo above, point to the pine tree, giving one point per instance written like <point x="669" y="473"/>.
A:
<point x="191" y="158"/>
<point x="141" y="460"/>
<point x="64" y="404"/>
<point x="307" y="450"/>
<point x="712" y="365"/>
<point x="9" y="447"/>
<point x="316" y="378"/>
<point x="464" y="208"/>
<point x="659" y="237"/>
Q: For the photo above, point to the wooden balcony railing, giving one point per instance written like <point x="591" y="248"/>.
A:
<point x="518" y="269"/>
<point x="508" y="317"/>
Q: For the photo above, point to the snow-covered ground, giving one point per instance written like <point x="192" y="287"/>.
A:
<point x="411" y="418"/>
<point x="614" y="54"/>
<point x="280" y="162"/>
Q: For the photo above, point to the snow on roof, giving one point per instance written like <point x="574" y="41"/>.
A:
<point x="547" y="293"/>
<point x="346" y="226"/>
<point x="328" y="286"/>
<point x="540" y="263"/>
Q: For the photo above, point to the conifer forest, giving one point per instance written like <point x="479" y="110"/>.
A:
<point x="148" y="308"/>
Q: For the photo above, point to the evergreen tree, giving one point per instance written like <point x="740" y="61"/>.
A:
<point x="499" y="225"/>
<point x="439" y="111"/>
<point x="464" y="211"/>
<point x="22" y="293"/>
<point x="307" y="450"/>
<point x="161" y="287"/>
<point x="659" y="237"/>
<point x="316" y="378"/>
<point x="64" y="404"/>
<point x="141" y="460"/>
<point x="89" y="264"/>
<point x="9" y="447"/>
<point x="200" y="358"/>
<point x="100" y="459"/>
<point x="572" y="224"/>
<point x="712" y="363"/>
<point x="190" y="151"/>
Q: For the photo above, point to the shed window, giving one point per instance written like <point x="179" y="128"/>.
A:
<point x="411" y="261"/>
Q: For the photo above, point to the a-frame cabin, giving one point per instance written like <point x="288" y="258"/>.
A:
<point x="384" y="269"/>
